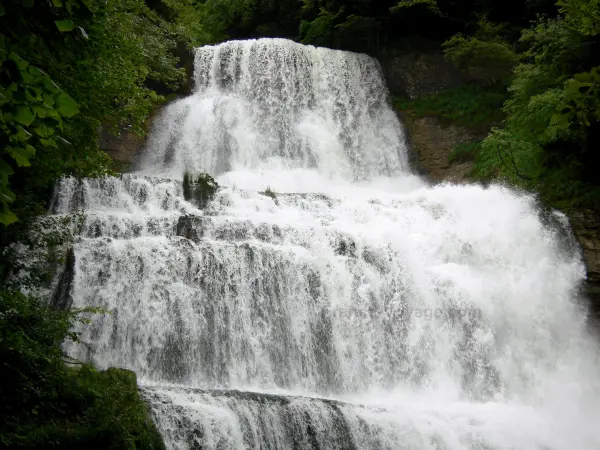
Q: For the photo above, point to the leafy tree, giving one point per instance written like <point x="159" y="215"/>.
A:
<point x="67" y="68"/>
<point x="550" y="137"/>
<point x="486" y="57"/>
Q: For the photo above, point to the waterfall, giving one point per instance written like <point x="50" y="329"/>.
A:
<point x="355" y="306"/>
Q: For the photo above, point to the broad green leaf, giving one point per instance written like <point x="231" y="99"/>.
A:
<point x="22" y="135"/>
<point x="33" y="94"/>
<point x="584" y="77"/>
<point x="52" y="113"/>
<point x="21" y="63"/>
<point x="5" y="170"/>
<point x="7" y="95"/>
<point x="35" y="71"/>
<point x="64" y="25"/>
<point x="7" y="217"/>
<point x="65" y="105"/>
<point x="40" y="111"/>
<point x="27" y="3"/>
<point x="22" y="154"/>
<point x="57" y="3"/>
<point x="48" y="100"/>
<point x="43" y="130"/>
<point x="48" y="143"/>
<point x="24" y="116"/>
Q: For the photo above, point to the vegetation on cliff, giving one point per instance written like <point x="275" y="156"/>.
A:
<point x="48" y="400"/>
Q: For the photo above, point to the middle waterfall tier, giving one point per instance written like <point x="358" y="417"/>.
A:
<point x="297" y="293"/>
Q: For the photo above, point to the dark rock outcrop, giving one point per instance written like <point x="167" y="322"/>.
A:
<point x="199" y="189"/>
<point x="62" y="298"/>
<point x="191" y="227"/>
<point x="585" y="225"/>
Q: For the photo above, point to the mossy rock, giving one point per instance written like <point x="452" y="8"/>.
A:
<point x="199" y="189"/>
<point x="92" y="410"/>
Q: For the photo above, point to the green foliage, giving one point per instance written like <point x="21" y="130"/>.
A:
<point x="431" y="5"/>
<point x="47" y="403"/>
<point x="32" y="110"/>
<point x="550" y="136"/>
<point x="485" y="57"/>
<point x="582" y="15"/>
<point x="199" y="23"/>
<point x="468" y="105"/>
<point x="465" y="152"/>
<point x="67" y="68"/>
<point x="580" y="106"/>
<point x="321" y="30"/>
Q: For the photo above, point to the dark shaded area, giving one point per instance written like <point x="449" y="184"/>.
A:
<point x="199" y="189"/>
<point x="47" y="403"/>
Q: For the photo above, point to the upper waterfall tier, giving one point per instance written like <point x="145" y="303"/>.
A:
<point x="272" y="103"/>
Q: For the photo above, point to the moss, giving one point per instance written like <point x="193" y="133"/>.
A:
<point x="465" y="152"/>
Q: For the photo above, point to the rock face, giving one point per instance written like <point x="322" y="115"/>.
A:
<point x="585" y="225"/>
<point x="413" y="74"/>
<point x="416" y="71"/>
<point x="432" y="143"/>
<point x="123" y="146"/>
<point x="191" y="227"/>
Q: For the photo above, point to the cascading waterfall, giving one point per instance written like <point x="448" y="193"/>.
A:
<point x="359" y="308"/>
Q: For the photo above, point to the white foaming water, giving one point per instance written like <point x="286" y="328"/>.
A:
<point x="359" y="309"/>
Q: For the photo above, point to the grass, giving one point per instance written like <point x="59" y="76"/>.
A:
<point x="469" y="105"/>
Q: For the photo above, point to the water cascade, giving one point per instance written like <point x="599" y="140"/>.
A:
<point x="352" y="306"/>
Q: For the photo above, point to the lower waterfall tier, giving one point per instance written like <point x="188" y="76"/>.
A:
<point x="232" y="420"/>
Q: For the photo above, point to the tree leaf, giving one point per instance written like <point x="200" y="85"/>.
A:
<point x="57" y="3"/>
<point x="43" y="130"/>
<point x="24" y="115"/>
<point x="27" y="3"/>
<point x="7" y="217"/>
<point x="49" y="143"/>
<point x="40" y="111"/>
<point x="22" y="154"/>
<point x="22" y="135"/>
<point x="64" y="25"/>
<point x="65" y="105"/>
<point x="5" y="171"/>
